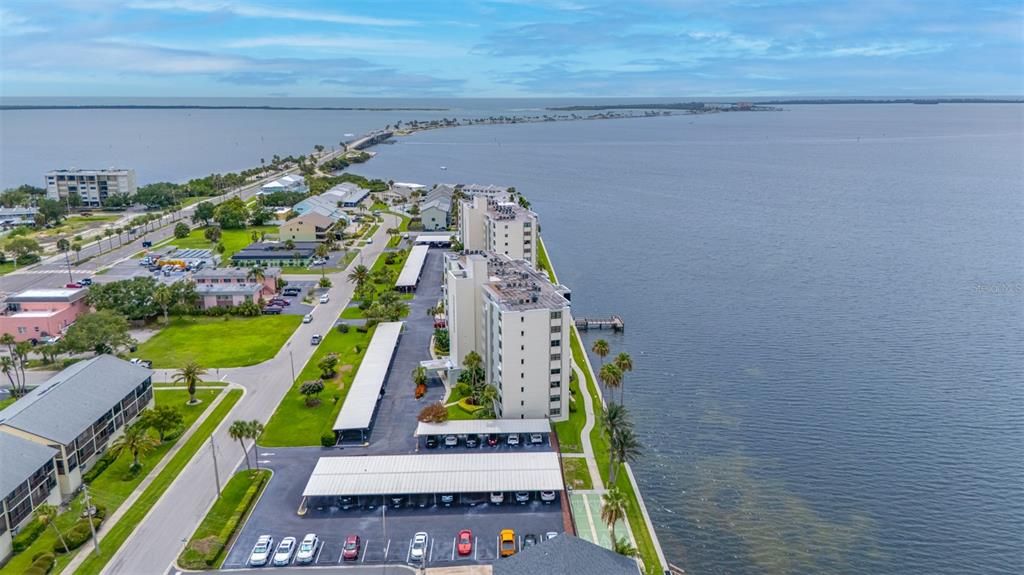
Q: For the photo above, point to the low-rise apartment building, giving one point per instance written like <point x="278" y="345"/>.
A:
<point x="275" y="254"/>
<point x="496" y="226"/>
<point x="79" y="411"/>
<point x="238" y="276"/>
<point x="17" y="216"/>
<point x="227" y="295"/>
<point x="309" y="227"/>
<point x="92" y="186"/>
<point x="519" y="324"/>
<point x="436" y="214"/>
<point x="37" y="313"/>
<point x="28" y="479"/>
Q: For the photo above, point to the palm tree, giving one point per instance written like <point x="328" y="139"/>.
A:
<point x="613" y="509"/>
<point x="77" y="248"/>
<point x="254" y="431"/>
<point x="610" y="376"/>
<point x="46" y="514"/>
<point x="625" y="448"/>
<point x="359" y="275"/>
<point x="614" y="419"/>
<point x="601" y="349"/>
<point x="135" y="440"/>
<point x="163" y="297"/>
<point x="625" y="363"/>
<point x="190" y="375"/>
<point x="472" y="362"/>
<point x="419" y="376"/>
<point x="239" y="430"/>
<point x="322" y="251"/>
<point x="256" y="275"/>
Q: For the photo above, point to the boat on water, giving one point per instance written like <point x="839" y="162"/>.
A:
<point x="444" y="167"/>
<point x="349" y="135"/>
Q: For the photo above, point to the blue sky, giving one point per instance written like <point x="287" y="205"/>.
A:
<point x="498" y="48"/>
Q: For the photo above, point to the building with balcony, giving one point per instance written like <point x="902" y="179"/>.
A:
<point x="309" y="227"/>
<point x="92" y="186"/>
<point x="501" y="227"/>
<point x="17" y="216"/>
<point x="238" y="276"/>
<point x="78" y="412"/>
<point x="519" y="323"/>
<point x="37" y="313"/>
<point x="28" y="479"/>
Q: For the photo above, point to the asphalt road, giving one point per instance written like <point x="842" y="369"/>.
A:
<point x="157" y="541"/>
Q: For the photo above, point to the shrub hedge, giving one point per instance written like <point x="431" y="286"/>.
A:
<point x="27" y="535"/>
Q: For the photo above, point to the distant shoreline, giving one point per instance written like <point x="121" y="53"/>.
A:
<point x="755" y="104"/>
<point x="201" y="107"/>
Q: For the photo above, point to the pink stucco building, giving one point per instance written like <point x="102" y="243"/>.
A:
<point x="229" y="287"/>
<point x="37" y="313"/>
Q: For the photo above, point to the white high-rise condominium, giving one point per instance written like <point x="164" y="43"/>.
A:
<point x="93" y="187"/>
<point x="519" y="323"/>
<point x="501" y="227"/>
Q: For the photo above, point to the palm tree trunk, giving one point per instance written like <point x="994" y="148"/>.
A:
<point x="192" y="392"/>
<point x="612" y="529"/>
<point x="256" y="454"/>
<point x="245" y="452"/>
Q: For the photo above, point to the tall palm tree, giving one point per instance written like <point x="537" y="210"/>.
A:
<point x="46" y="514"/>
<point x="256" y="274"/>
<point x="624" y="362"/>
<point x="135" y="440"/>
<point x="601" y="349"/>
<point x="613" y="509"/>
<point x="239" y="430"/>
<point x="610" y="376"/>
<point x="625" y="448"/>
<point x="254" y="430"/>
<point x="473" y="362"/>
<point x="359" y="275"/>
<point x="190" y="375"/>
<point x="614" y="419"/>
<point x="322" y="251"/>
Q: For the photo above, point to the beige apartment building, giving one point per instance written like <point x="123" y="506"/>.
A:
<point x="501" y="227"/>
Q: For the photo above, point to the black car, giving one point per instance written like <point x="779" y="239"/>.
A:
<point x="447" y="499"/>
<point x="472" y="441"/>
<point x="271" y="310"/>
<point x="432" y="442"/>
<point x="399" y="501"/>
<point x="474" y="499"/>
<point x="529" y="539"/>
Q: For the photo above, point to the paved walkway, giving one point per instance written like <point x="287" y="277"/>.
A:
<point x="156" y="542"/>
<point x="114" y="517"/>
<point x="588" y="448"/>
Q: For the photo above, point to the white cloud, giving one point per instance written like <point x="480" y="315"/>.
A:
<point x="354" y="44"/>
<point x="12" y="24"/>
<point x="256" y="11"/>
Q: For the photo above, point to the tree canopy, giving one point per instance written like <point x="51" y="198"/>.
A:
<point x="103" y="332"/>
<point x="231" y="214"/>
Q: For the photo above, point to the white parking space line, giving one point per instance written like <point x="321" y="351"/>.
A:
<point x="318" y="552"/>
<point x="341" y="556"/>
<point x="408" y="554"/>
<point x="454" y="544"/>
<point x="476" y="547"/>
<point x="430" y="556"/>
<point x="366" y="546"/>
<point x="497" y="541"/>
<point x="387" y="548"/>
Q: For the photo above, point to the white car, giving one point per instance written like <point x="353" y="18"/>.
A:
<point x="419" y="546"/>
<point x="284" y="553"/>
<point x="261" y="552"/>
<point x="547" y="496"/>
<point x="308" y="318"/>
<point x="325" y="298"/>
<point x="451" y="440"/>
<point x="536" y="438"/>
<point x="307" y="549"/>
<point x="513" y="439"/>
<point x="497" y="498"/>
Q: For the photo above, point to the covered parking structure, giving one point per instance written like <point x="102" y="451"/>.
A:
<point x="486" y="427"/>
<point x="440" y="240"/>
<point x="357" y="412"/>
<point x="370" y="479"/>
<point x="409" y="277"/>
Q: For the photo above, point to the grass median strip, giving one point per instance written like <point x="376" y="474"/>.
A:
<point x="209" y="542"/>
<point x="296" y="423"/>
<point x="117" y="535"/>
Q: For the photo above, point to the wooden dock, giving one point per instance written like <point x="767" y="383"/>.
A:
<point x="613" y="323"/>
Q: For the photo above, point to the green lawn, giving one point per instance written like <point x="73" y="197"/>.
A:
<point x="544" y="262"/>
<point x="201" y="384"/>
<point x="352" y="312"/>
<point x="294" y="424"/>
<point x="5" y="402"/>
<point x="223" y="520"/>
<point x="114" y="485"/>
<point x="117" y="535"/>
<point x="569" y="431"/>
<point x="219" y="342"/>
<point x="6" y="267"/>
<point x="576" y="474"/>
<point x="233" y="240"/>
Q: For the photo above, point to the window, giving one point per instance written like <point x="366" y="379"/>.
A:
<point x="556" y="357"/>
<point x="556" y="343"/>
<point x="557" y="398"/>
<point x="556" y="411"/>
<point x="556" y="384"/>
<point x="556" y="329"/>
<point x="556" y="370"/>
<point x="556" y="315"/>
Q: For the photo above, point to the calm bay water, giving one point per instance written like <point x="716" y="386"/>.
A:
<point x="825" y="306"/>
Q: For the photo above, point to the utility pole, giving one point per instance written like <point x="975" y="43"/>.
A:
<point x="89" y="513"/>
<point x="216" y="474"/>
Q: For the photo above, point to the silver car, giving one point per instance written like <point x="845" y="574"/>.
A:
<point x="419" y="546"/>
<point x="261" y="551"/>
<point x="307" y="549"/>
<point x="284" y="553"/>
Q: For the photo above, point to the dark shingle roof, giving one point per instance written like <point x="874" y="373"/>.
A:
<point x="21" y="459"/>
<point x="66" y="404"/>
<point x="566" y="554"/>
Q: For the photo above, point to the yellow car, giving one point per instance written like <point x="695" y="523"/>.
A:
<point x="508" y="542"/>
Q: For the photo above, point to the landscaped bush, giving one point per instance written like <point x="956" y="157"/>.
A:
<point x="203" y="552"/>
<point x="343" y="328"/>
<point x="465" y="404"/>
<point x="27" y="535"/>
<point x="41" y="564"/>
<point x="77" y="535"/>
<point x="98" y="467"/>
<point x="328" y="439"/>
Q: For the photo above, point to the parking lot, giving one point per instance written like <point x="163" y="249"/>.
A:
<point x="386" y="532"/>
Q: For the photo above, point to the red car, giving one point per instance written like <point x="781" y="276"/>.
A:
<point x="351" y="550"/>
<point x="465" y="545"/>
<point x="75" y="285"/>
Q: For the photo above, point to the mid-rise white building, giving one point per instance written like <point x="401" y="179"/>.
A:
<point x="501" y="227"/>
<point x="519" y="323"/>
<point x="92" y="186"/>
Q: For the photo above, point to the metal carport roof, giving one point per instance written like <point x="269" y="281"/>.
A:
<point x="357" y="411"/>
<point x="482" y="426"/>
<point x="410" y="275"/>
<point x="447" y="473"/>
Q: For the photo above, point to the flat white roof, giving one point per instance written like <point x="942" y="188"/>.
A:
<point x="434" y="238"/>
<point x="483" y="426"/>
<point x="357" y="411"/>
<point x="448" y="473"/>
<point x="413" y="266"/>
<point x="49" y="292"/>
<point x="408" y="185"/>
